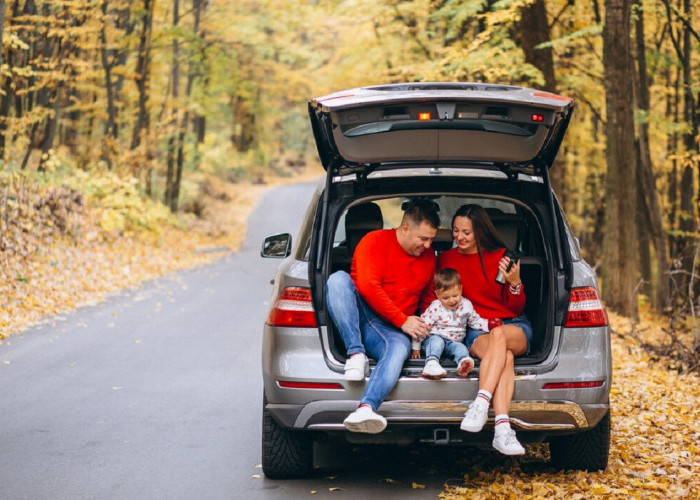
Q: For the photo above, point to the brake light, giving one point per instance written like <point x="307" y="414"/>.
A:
<point x="585" y="309"/>
<point x="423" y="116"/>
<point x="536" y="117"/>
<point x="293" y="308"/>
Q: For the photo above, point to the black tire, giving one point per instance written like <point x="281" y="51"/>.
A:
<point x="586" y="450"/>
<point x="286" y="454"/>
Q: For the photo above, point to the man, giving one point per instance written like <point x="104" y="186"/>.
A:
<point x="374" y="307"/>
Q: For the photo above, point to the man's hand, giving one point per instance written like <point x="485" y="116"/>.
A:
<point x="415" y="328"/>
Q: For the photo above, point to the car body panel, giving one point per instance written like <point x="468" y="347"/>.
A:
<point x="361" y="128"/>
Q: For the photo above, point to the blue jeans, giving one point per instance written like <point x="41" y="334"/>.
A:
<point x="520" y="321"/>
<point x="435" y="345"/>
<point x="363" y="331"/>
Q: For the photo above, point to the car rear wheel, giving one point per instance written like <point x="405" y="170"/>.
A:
<point x="286" y="454"/>
<point x="583" y="451"/>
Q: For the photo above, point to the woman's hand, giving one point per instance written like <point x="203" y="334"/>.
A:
<point x="512" y="276"/>
<point x="415" y="354"/>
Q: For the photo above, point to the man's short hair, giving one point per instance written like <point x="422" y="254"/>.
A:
<point x="418" y="211"/>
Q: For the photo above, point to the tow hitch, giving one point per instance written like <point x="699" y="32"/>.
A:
<point x="441" y="437"/>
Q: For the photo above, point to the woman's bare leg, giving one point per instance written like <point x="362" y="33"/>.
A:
<point x="503" y="394"/>
<point x="492" y="348"/>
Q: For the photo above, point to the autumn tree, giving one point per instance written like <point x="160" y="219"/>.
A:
<point x="143" y="68"/>
<point x="650" y="226"/>
<point x="101" y="82"/>
<point x="534" y="37"/>
<point x="620" y="269"/>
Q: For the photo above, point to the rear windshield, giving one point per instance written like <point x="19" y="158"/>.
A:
<point x="392" y="212"/>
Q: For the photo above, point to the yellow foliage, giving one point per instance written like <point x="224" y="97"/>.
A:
<point x="120" y="205"/>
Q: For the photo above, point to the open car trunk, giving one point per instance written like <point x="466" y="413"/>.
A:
<point x="455" y="143"/>
<point x="522" y="223"/>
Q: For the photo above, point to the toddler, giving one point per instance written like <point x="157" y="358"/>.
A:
<point x="448" y="317"/>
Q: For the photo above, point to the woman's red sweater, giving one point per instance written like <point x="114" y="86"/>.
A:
<point x="491" y="300"/>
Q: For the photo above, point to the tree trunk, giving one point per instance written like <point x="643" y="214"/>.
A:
<point x="107" y="64"/>
<point x="200" y="127"/>
<point x="143" y="64"/>
<point x="50" y="128"/>
<point x="671" y="148"/>
<point x="8" y="96"/>
<point x="643" y="222"/>
<point x="620" y="260"/>
<point x="2" y="25"/>
<point x="649" y="193"/>
<point x="533" y="31"/>
<point x="169" y="198"/>
<point x="243" y="137"/>
<point x="191" y="73"/>
<point x="126" y="23"/>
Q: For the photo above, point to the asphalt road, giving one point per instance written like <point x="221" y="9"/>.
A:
<point x="156" y="394"/>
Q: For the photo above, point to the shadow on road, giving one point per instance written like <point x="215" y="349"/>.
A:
<point x="414" y="471"/>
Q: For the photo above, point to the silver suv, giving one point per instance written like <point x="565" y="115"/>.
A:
<point x="452" y="143"/>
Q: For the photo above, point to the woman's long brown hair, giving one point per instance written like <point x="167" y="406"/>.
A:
<point x="485" y="234"/>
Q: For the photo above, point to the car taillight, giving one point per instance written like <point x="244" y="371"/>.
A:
<point x="293" y="308"/>
<point x="585" y="309"/>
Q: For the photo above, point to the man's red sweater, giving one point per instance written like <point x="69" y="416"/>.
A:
<point x="490" y="299"/>
<point x="392" y="282"/>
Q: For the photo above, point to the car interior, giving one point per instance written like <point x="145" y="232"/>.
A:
<point x="516" y="225"/>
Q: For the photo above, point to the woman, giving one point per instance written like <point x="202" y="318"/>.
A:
<point x="477" y="256"/>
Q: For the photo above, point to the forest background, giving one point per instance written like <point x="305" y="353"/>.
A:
<point x="120" y="119"/>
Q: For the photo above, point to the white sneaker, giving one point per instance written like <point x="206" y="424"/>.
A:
<point x="356" y="367"/>
<point x="465" y="366"/>
<point x="433" y="370"/>
<point x="508" y="444"/>
<point x="365" y="420"/>
<point x="475" y="418"/>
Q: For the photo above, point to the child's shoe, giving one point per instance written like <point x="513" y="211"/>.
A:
<point x="433" y="370"/>
<point x="465" y="366"/>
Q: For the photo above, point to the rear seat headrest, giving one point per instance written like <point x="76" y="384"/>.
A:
<point x="509" y="228"/>
<point x="365" y="216"/>
<point x="443" y="234"/>
<point x="360" y="220"/>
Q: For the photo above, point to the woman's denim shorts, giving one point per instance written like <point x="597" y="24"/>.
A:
<point x="520" y="321"/>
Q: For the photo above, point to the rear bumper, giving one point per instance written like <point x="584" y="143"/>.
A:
<point x="297" y="355"/>
<point x="544" y="416"/>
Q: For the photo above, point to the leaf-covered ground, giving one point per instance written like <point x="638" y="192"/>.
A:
<point x="654" y="445"/>
<point x="655" y="415"/>
<point x="56" y="257"/>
